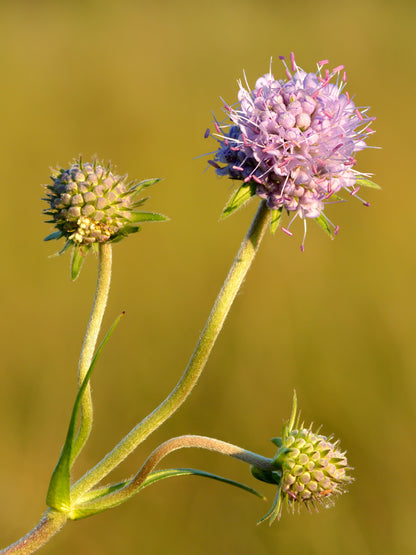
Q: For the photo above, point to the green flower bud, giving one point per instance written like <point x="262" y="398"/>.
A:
<point x="89" y="204"/>
<point x="310" y="469"/>
<point x="313" y="468"/>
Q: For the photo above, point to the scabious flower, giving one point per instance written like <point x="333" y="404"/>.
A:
<point x="311" y="469"/>
<point x="89" y="204"/>
<point x="294" y="141"/>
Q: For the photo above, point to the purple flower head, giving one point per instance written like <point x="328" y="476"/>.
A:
<point x="294" y="140"/>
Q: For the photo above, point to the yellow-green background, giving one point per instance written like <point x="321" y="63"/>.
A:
<point x="135" y="82"/>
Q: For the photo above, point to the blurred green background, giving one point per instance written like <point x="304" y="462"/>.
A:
<point x="135" y="83"/>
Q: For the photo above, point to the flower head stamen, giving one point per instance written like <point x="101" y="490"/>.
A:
<point x="294" y="139"/>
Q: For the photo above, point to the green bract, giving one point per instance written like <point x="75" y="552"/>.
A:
<point x="89" y="205"/>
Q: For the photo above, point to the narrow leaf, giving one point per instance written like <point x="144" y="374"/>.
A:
<point x="323" y="224"/>
<point x="99" y="494"/>
<point x="275" y="221"/>
<point x="58" y="496"/>
<point x="138" y="217"/>
<point x="240" y="197"/>
<point x="364" y="182"/>
<point x="161" y="474"/>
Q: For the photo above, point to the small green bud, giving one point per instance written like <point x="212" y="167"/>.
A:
<point x="89" y="204"/>
<point x="312" y="468"/>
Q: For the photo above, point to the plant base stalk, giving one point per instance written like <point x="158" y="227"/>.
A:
<point x="49" y="525"/>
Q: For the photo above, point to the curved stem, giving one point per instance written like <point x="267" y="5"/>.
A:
<point x="185" y="441"/>
<point x="53" y="520"/>
<point x="231" y="286"/>
<point x="48" y="526"/>
<point x="90" y="341"/>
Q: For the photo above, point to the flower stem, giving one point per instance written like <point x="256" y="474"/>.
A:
<point x="90" y="340"/>
<point x="231" y="286"/>
<point x="48" y="526"/>
<point x="201" y="442"/>
<point x="53" y="520"/>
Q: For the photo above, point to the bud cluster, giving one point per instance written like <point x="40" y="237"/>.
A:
<point x="313" y="468"/>
<point x="89" y="204"/>
<point x="308" y="468"/>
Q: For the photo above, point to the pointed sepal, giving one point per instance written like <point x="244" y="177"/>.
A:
<point x="362" y="181"/>
<point x="78" y="256"/>
<point x="64" y="248"/>
<point x="144" y="184"/>
<point x="268" y="476"/>
<point x="148" y="182"/>
<point x="324" y="225"/>
<point x="275" y="510"/>
<point x="239" y="198"/>
<point x="139" y="217"/>
<point x="55" y="235"/>
<point x="275" y="220"/>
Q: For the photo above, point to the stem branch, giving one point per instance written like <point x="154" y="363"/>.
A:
<point x="174" y="444"/>
<point x="231" y="286"/>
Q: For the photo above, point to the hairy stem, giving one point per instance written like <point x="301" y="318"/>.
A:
<point x="53" y="520"/>
<point x="231" y="286"/>
<point x="90" y="341"/>
<point x="48" y="526"/>
<point x="174" y="444"/>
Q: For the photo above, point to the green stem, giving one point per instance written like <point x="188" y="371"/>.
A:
<point x="186" y="441"/>
<point x="90" y="341"/>
<point x="48" y="526"/>
<point x="197" y="362"/>
<point x="53" y="520"/>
